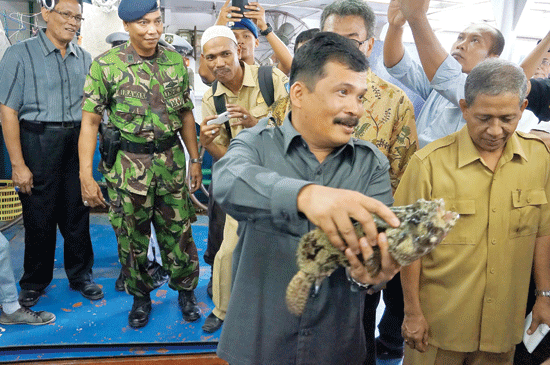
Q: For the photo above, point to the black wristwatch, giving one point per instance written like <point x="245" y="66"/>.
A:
<point x="267" y="30"/>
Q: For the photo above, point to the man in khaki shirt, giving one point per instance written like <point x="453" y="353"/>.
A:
<point x="465" y="301"/>
<point x="238" y="84"/>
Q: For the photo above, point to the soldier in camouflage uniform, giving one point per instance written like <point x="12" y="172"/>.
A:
<point x="144" y="88"/>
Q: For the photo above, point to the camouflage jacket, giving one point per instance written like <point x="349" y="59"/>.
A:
<point x="145" y="99"/>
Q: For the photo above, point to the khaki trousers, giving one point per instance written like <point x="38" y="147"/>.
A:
<point x="437" y="356"/>
<point x="222" y="270"/>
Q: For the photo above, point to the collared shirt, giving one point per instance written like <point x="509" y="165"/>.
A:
<point x="249" y="97"/>
<point x="441" y="114"/>
<point x="257" y="182"/>
<point x="388" y="123"/>
<point x="41" y="84"/>
<point x="145" y="99"/>
<point x="539" y="98"/>
<point x="473" y="286"/>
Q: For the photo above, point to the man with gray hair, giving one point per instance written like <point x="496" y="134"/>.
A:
<point x="465" y="301"/>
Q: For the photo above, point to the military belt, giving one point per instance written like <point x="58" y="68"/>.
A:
<point x="38" y="127"/>
<point x="149" y="147"/>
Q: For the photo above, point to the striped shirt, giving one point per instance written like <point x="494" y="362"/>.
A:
<point x="42" y="85"/>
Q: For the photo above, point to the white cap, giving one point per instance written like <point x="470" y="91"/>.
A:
<point x="217" y="31"/>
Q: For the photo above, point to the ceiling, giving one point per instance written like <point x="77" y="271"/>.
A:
<point x="445" y="15"/>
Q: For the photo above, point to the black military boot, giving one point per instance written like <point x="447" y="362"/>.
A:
<point x="119" y="283"/>
<point x="139" y="315"/>
<point x="188" y="305"/>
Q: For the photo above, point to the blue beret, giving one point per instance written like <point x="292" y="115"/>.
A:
<point x="246" y="23"/>
<point x="131" y="10"/>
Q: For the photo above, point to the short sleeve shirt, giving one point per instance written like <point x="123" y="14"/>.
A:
<point x="41" y="84"/>
<point x="249" y="97"/>
<point x="473" y="286"/>
<point x="144" y="98"/>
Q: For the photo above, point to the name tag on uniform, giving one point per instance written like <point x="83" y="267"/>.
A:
<point x="169" y="93"/>
<point x="133" y="94"/>
<point x="175" y="103"/>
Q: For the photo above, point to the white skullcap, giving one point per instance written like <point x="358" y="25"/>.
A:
<point x="217" y="31"/>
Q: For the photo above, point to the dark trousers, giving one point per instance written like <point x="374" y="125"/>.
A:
<point x="542" y="351"/>
<point x="56" y="201"/>
<point x="391" y="321"/>
<point x="216" y="222"/>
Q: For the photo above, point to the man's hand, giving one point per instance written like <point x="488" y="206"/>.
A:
<point x="209" y="132"/>
<point x="395" y="16"/>
<point x="541" y="314"/>
<point x="359" y="272"/>
<point x="330" y="209"/>
<point x="244" y="117"/>
<point x="22" y="178"/>
<point x="232" y="11"/>
<point x="413" y="8"/>
<point x="415" y="331"/>
<point x="195" y="172"/>
<point x="91" y="193"/>
<point x="256" y="14"/>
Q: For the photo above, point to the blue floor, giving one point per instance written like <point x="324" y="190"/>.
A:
<point x="85" y="328"/>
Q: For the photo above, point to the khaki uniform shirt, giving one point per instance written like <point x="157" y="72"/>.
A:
<point x="473" y="286"/>
<point x="388" y="123"/>
<point x="249" y="97"/>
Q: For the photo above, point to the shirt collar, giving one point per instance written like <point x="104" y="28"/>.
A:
<point x="467" y="151"/>
<point x="370" y="76"/>
<point x="290" y="134"/>
<point x="48" y="47"/>
<point x="248" y="81"/>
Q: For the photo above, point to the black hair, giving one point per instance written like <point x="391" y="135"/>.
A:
<point x="498" y="42"/>
<point x="309" y="61"/>
<point x="344" y="8"/>
<point x="305" y="36"/>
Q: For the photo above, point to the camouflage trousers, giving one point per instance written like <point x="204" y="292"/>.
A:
<point x="171" y="214"/>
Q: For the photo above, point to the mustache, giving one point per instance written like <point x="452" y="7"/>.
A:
<point x="349" y="121"/>
<point x="221" y="70"/>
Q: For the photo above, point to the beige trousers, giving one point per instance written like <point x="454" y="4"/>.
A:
<point x="222" y="271"/>
<point x="437" y="356"/>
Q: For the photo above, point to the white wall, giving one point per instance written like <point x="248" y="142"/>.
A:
<point x="97" y="25"/>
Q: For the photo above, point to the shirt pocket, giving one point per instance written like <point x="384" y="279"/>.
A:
<point x="259" y="111"/>
<point x="460" y="233"/>
<point x="525" y="213"/>
<point x="132" y="112"/>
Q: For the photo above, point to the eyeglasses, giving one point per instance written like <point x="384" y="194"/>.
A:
<point x="359" y="43"/>
<point x="68" y="16"/>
